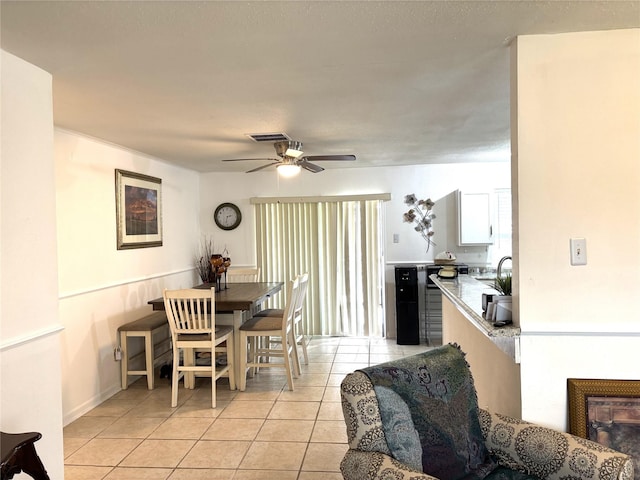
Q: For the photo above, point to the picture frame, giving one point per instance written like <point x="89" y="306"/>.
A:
<point x="138" y="210"/>
<point x="607" y="412"/>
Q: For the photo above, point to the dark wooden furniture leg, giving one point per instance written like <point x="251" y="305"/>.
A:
<point x="18" y="454"/>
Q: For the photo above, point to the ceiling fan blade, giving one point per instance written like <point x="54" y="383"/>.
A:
<point x="319" y="158"/>
<point x="310" y="166"/>
<point x="263" y="166"/>
<point x="264" y="159"/>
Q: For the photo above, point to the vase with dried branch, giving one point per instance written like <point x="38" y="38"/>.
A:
<point x="203" y="260"/>
<point x="212" y="266"/>
<point x="220" y="263"/>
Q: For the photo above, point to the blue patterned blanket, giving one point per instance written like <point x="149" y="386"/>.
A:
<point x="429" y="411"/>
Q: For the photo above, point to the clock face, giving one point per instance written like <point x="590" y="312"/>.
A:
<point x="227" y="216"/>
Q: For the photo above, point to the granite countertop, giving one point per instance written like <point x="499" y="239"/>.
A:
<point x="465" y="292"/>
<point x="484" y="276"/>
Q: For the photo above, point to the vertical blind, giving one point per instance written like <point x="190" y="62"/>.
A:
<point x="339" y="243"/>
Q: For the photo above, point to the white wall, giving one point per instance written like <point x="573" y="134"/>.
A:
<point x="576" y="170"/>
<point x="576" y="160"/>
<point x="436" y="181"/>
<point x="101" y="287"/>
<point x="30" y="397"/>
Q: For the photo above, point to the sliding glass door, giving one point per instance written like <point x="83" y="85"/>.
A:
<point x="339" y="242"/>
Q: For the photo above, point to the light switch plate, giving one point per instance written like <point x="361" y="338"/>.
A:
<point x="578" y="251"/>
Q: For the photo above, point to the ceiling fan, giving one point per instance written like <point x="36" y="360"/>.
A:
<point x="292" y="159"/>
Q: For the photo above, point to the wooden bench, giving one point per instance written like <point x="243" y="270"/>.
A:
<point x="154" y="352"/>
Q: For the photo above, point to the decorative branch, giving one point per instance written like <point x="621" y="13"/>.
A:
<point x="203" y="260"/>
<point x="422" y="215"/>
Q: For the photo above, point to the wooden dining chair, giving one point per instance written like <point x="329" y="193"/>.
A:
<point x="255" y="354"/>
<point x="243" y="275"/>
<point x="191" y="315"/>
<point x="298" y="324"/>
<point x="298" y="321"/>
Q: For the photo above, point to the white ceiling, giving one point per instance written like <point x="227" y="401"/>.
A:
<point x="394" y="83"/>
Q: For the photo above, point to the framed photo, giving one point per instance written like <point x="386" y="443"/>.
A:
<point x="607" y="412"/>
<point x="138" y="210"/>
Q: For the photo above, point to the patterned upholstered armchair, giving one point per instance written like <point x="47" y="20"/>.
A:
<point x="418" y="418"/>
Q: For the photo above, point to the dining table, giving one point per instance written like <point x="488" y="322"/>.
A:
<point x="235" y="304"/>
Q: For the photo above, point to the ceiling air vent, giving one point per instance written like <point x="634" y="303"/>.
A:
<point x="268" y="137"/>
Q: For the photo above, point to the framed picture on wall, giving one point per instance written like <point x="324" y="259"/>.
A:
<point x="607" y="412"/>
<point x="138" y="210"/>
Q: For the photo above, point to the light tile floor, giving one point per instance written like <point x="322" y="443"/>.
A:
<point x="263" y="433"/>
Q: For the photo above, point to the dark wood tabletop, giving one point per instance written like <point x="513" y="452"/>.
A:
<point x="237" y="296"/>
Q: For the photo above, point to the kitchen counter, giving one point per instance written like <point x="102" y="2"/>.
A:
<point x="484" y="277"/>
<point x="465" y="293"/>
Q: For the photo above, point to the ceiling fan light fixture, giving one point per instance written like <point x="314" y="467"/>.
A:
<point x="292" y="152"/>
<point x="288" y="170"/>
<point x="292" y="159"/>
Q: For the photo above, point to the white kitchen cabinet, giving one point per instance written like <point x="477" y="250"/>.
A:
<point x="475" y="225"/>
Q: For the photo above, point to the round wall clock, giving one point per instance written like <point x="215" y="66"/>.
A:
<point x="227" y="216"/>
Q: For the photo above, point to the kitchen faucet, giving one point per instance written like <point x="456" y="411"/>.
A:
<point x="499" y="269"/>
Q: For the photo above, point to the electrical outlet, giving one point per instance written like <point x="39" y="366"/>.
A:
<point x="117" y="354"/>
<point x="396" y="238"/>
<point x="578" y="251"/>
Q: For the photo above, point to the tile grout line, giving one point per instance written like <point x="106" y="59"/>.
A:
<point x="336" y="369"/>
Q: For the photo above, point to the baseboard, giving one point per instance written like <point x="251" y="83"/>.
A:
<point x="89" y="405"/>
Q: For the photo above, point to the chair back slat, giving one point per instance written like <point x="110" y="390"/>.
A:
<point x="290" y="307"/>
<point x="243" y="275"/>
<point x="303" y="280"/>
<point x="190" y="310"/>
